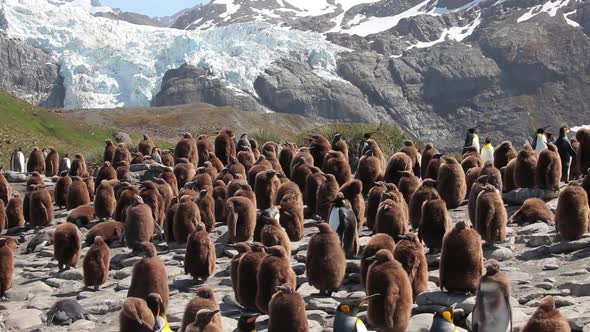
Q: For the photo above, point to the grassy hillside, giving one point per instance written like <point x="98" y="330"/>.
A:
<point x="26" y="126"/>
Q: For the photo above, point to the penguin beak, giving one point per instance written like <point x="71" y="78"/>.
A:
<point x="366" y="299"/>
<point x="371" y="259"/>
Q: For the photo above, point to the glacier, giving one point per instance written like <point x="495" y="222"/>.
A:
<point x="108" y="63"/>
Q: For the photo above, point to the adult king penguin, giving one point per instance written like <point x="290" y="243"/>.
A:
<point x="471" y="139"/>
<point x="487" y="151"/>
<point x="443" y="321"/>
<point x="540" y="140"/>
<point x="343" y="222"/>
<point x="17" y="161"/>
<point x="346" y="315"/>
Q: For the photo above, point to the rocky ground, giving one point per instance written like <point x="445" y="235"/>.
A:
<point x="536" y="263"/>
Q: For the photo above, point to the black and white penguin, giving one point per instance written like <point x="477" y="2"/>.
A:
<point x="343" y="222"/>
<point x="65" y="164"/>
<point x="243" y="143"/>
<point x="17" y="161"/>
<point x="492" y="311"/>
<point x="346" y="315"/>
<point x="443" y="321"/>
<point x="65" y="312"/>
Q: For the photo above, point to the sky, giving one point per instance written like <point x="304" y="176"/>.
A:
<point x="152" y="7"/>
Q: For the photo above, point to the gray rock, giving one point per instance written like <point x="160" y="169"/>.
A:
<point x="103" y="304"/>
<point x="122" y="137"/>
<point x="23" y="319"/>
<point x="420" y="323"/>
<point x="578" y="287"/>
<point x="498" y="253"/>
<point x="70" y="275"/>
<point x="13" y="177"/>
<point x="463" y="301"/>
<point x="326" y="304"/>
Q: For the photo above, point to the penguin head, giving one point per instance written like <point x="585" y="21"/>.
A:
<point x="156" y="304"/>
<point x="351" y="307"/>
<point x="205" y="316"/>
<point x="383" y="255"/>
<point x="339" y="201"/>
<point x="205" y="292"/>
<point x="247" y="321"/>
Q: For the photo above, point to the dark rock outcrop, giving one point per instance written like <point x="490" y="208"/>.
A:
<point x="29" y="73"/>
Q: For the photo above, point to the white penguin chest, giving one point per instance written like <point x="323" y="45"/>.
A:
<point x="334" y="219"/>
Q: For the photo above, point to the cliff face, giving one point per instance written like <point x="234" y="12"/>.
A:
<point x="29" y="73"/>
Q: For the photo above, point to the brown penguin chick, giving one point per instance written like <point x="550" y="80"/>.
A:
<point x="300" y="169"/>
<point x="5" y="188"/>
<point x="40" y="207"/>
<point x="2" y="216"/>
<point x="226" y="175"/>
<point x="461" y="260"/>
<point x="286" y="157"/>
<point x="491" y="301"/>
<point x="302" y="153"/>
<point x="184" y="171"/>
<point x="312" y="185"/>
<point x="369" y="171"/>
<point x="353" y="192"/>
<point x="286" y="311"/>
<point x="451" y="184"/>
<point x="121" y="154"/>
<point x="82" y="215"/>
<point x="318" y="148"/>
<point x="246" y="158"/>
<point x="336" y="163"/>
<point x="225" y="146"/>
<point x="503" y="154"/>
<point x="146" y="146"/>
<point x="476" y="189"/>
<point x="78" y="166"/>
<point x="247" y="286"/>
<point x="169" y="220"/>
<point x="470" y="161"/>
<point x="531" y="211"/>
<point x="27" y="204"/>
<point x="496" y="179"/>
<point x="205" y="322"/>
<point x="96" y="263"/>
<point x="185" y="220"/>
<point x="410" y="149"/>
<point x="109" y="151"/>
<point x="78" y="194"/>
<point x="373" y="201"/>
<point x="524" y="170"/>
<point x="274" y="270"/>
<point x="137" y="158"/>
<point x="215" y="162"/>
<point x="122" y="169"/>
<point x="547" y="318"/>
<point x="410" y="253"/>
<point x="199" y="260"/>
<point x="398" y="163"/>
<point x="6" y="266"/>
<point x="340" y="144"/>
<point x="52" y="163"/>
<point x="325" y="263"/>
<point x="429" y="151"/>
<point x="508" y="176"/>
<point x="36" y="161"/>
<point x="106" y="172"/>
<point x="204" y="299"/>
<point x="126" y="198"/>
<point x="491" y="217"/>
<point x="376" y="243"/>
<point x="136" y="316"/>
<point x="204" y="147"/>
<point x="14" y="212"/>
<point x="392" y="308"/>
<point x="470" y="178"/>
<point x="109" y="231"/>
<point x="433" y="166"/>
<point x="35" y="179"/>
<point x="235" y="167"/>
<point x="206" y="205"/>
<point x="149" y="275"/>
<point x="89" y="180"/>
<point x="66" y="246"/>
<point x="167" y="158"/>
<point x="242" y="248"/>
<point x="392" y="216"/>
<point x="139" y="223"/>
<point x="408" y="184"/>
<point x="241" y="218"/>
<point x="571" y="216"/>
<point x="548" y="171"/>
<point x="373" y="146"/>
<point x="186" y="148"/>
<point x="434" y="224"/>
<point x="151" y="196"/>
<point x="166" y="192"/>
<point x="170" y="178"/>
<point x="273" y="234"/>
<point x="254" y="145"/>
<point x="265" y="187"/>
<point x="274" y="161"/>
<point x="326" y="195"/>
<point x="291" y="216"/>
<point x="583" y="150"/>
<point x="287" y="188"/>
<point x="220" y="197"/>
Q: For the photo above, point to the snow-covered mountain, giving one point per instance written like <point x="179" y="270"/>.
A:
<point x="434" y="67"/>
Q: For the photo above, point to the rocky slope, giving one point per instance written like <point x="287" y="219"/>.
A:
<point x="534" y="260"/>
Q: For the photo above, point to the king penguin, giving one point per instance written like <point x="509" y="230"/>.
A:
<point x="540" y="140"/>
<point x="492" y="311"/>
<point x="443" y="321"/>
<point x="154" y="302"/>
<point x="346" y="315"/>
<point x="487" y="151"/>
<point x="344" y="223"/>
<point x="17" y="161"/>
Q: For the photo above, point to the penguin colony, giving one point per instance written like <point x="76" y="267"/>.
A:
<point x="263" y="196"/>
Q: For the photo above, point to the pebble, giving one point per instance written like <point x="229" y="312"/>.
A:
<point x="550" y="267"/>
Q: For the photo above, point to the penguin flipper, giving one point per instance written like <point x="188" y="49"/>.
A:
<point x="390" y="307"/>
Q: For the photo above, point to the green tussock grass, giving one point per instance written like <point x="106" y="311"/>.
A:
<point x="25" y="126"/>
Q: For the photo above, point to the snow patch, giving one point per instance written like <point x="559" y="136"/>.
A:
<point x="569" y="20"/>
<point x="551" y="7"/>
<point x="577" y="128"/>
<point x="452" y="33"/>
